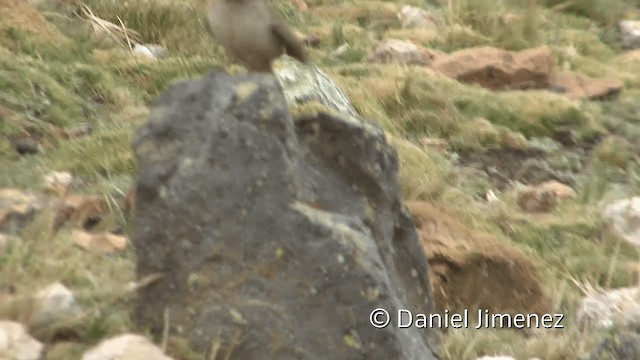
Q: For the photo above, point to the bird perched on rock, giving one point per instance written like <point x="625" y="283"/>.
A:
<point x="252" y="33"/>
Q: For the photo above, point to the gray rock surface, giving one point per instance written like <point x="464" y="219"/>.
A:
<point x="55" y="303"/>
<point x="277" y="238"/>
<point x="624" y="346"/>
<point x="302" y="84"/>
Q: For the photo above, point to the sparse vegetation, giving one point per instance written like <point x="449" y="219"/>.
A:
<point x="57" y="72"/>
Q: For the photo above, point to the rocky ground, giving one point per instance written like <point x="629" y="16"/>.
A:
<point x="516" y="126"/>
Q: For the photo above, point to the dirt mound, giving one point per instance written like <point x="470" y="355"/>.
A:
<point x="473" y="270"/>
<point x="19" y="17"/>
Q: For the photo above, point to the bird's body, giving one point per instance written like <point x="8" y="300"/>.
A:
<point x="252" y="33"/>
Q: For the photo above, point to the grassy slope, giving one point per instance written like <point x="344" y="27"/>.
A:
<point x="54" y="71"/>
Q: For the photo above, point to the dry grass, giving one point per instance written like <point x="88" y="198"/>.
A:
<point x="118" y="32"/>
<point x="44" y="257"/>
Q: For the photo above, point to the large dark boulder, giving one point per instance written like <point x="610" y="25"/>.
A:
<point x="276" y="238"/>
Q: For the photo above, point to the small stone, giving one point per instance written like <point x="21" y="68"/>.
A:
<point x="630" y="34"/>
<point x="623" y="346"/>
<point x="104" y="243"/>
<point x="17" y="344"/>
<point x="341" y="50"/>
<point x="401" y="52"/>
<point x="26" y="146"/>
<point x="127" y="346"/>
<point x="624" y="218"/>
<point x="82" y="211"/>
<point x="55" y="303"/>
<point x="150" y="51"/>
<point x="605" y="309"/>
<point x="58" y="181"/>
<point x="491" y="197"/>
<point x="412" y="17"/>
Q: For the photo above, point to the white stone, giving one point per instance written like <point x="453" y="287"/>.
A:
<point x="150" y="51"/>
<point x="624" y="218"/>
<point x="55" y="303"/>
<point x="58" y="180"/>
<point x="341" y="50"/>
<point x="400" y="51"/>
<point x="16" y="344"/>
<point x="491" y="197"/>
<point x="412" y="17"/>
<point x="604" y="309"/>
<point x="630" y="34"/>
<point x="125" y="347"/>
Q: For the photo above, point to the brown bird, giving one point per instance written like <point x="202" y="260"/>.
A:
<point x="252" y="33"/>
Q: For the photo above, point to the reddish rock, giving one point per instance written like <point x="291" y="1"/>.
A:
<point x="103" y="243"/>
<point x="498" y="69"/>
<point x="578" y="86"/>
